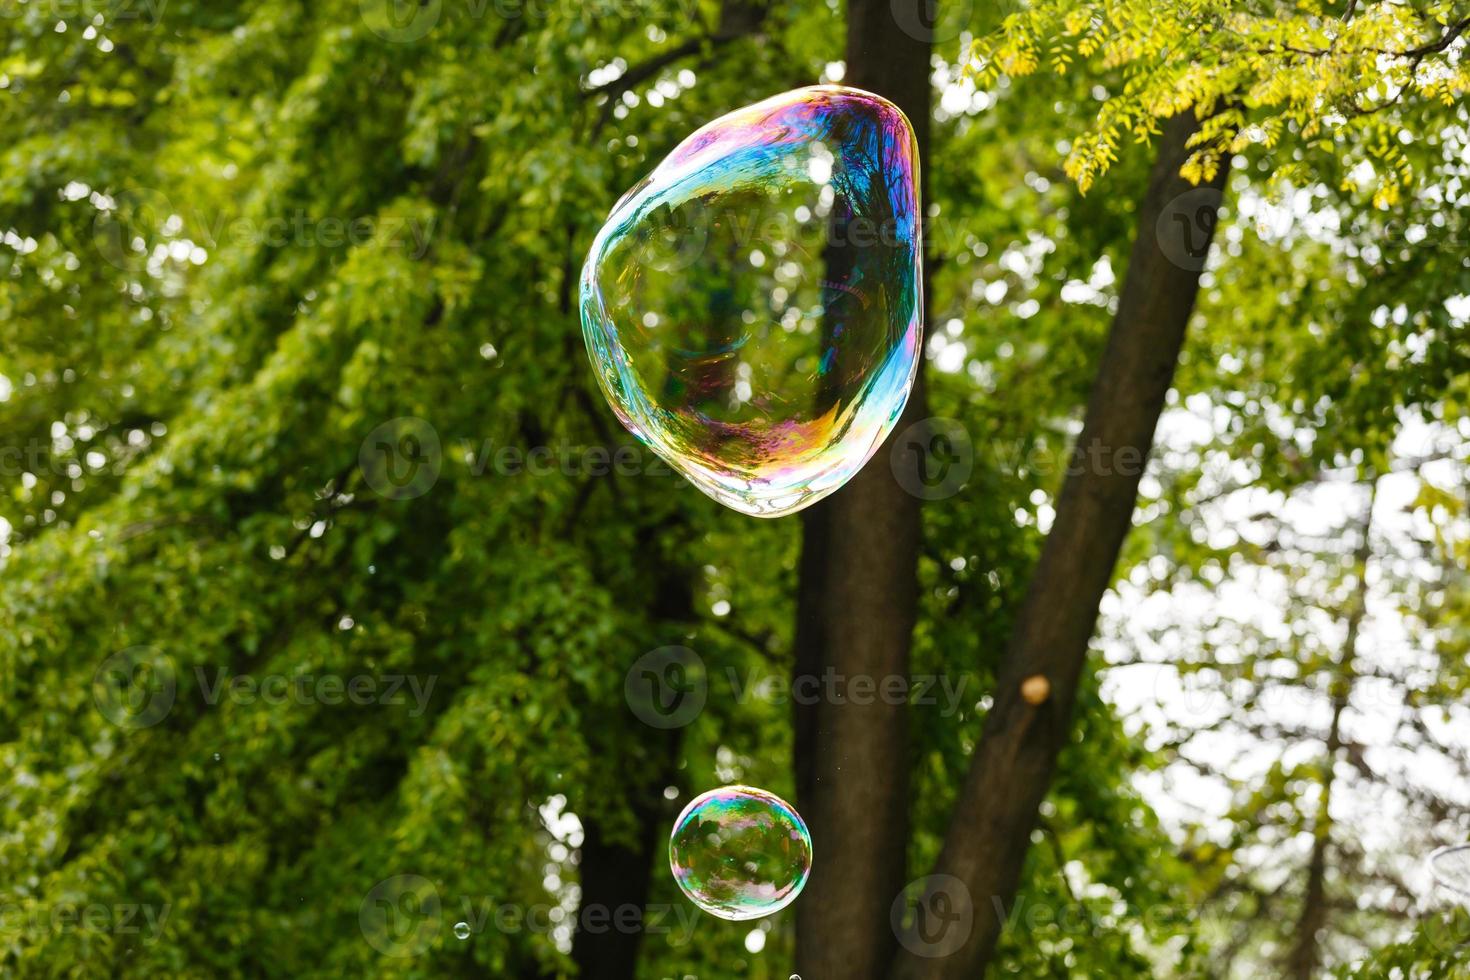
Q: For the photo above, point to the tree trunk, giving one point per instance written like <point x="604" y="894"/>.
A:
<point x="612" y="876"/>
<point x="615" y="875"/>
<point x="1306" y="954"/>
<point x="856" y="605"/>
<point x="1031" y="720"/>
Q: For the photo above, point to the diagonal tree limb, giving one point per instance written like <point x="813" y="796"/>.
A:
<point x="1031" y="720"/>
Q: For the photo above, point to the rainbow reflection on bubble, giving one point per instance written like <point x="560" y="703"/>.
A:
<point x="753" y="307"/>
<point x="740" y="853"/>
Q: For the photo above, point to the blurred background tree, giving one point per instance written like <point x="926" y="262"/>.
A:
<point x="292" y="390"/>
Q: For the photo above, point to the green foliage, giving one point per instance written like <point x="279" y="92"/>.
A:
<point x="1293" y="79"/>
<point x="1437" y="948"/>
<point x="240" y="239"/>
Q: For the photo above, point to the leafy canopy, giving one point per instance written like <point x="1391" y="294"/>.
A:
<point x="1259" y="73"/>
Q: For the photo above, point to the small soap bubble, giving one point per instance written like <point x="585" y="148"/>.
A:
<point x="740" y="853"/>
<point x="753" y="308"/>
<point x="461" y="930"/>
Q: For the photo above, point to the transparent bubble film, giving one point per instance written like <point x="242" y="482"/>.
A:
<point x="753" y="307"/>
<point x="1451" y="868"/>
<point x="740" y="853"/>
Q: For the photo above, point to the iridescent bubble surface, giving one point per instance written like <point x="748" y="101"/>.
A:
<point x="753" y="307"/>
<point x="740" y="853"/>
<point x="1451" y="868"/>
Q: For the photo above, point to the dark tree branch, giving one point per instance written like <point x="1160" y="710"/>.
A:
<point x="641" y="73"/>
<point x="738" y="19"/>
<point x="1433" y="47"/>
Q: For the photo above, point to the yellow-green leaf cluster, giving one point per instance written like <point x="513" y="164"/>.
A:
<point x="1253" y="72"/>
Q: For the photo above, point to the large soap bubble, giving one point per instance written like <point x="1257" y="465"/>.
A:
<point x="740" y="853"/>
<point x="753" y="307"/>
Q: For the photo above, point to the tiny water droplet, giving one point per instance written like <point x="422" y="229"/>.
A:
<point x="462" y="930"/>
